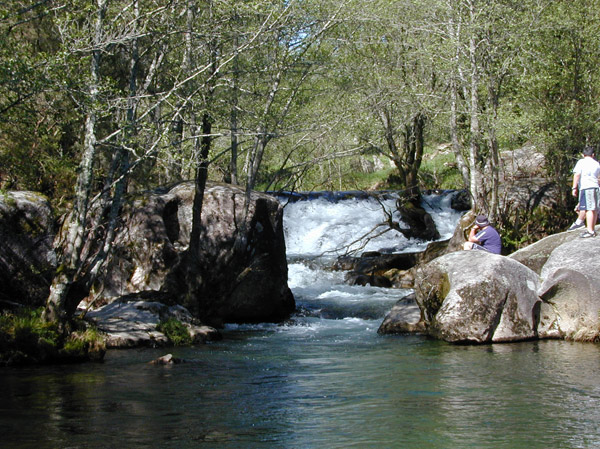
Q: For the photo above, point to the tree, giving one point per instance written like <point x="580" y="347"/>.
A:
<point x="560" y="88"/>
<point x="57" y="307"/>
<point x="392" y="86"/>
<point x="481" y="58"/>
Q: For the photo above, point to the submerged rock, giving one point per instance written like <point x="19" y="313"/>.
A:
<point x="167" y="359"/>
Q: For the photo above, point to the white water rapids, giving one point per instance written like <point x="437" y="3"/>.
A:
<point x="318" y="230"/>
<point x="319" y="226"/>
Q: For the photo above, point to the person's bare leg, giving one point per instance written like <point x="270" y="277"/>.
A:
<point x="590" y="220"/>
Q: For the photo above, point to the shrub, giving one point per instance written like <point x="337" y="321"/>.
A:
<point x="175" y="331"/>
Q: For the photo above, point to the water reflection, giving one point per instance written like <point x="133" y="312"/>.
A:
<point x="278" y="388"/>
<point x="521" y="395"/>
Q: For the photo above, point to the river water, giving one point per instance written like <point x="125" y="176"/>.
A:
<point x="324" y="379"/>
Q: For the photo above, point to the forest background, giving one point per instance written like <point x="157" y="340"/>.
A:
<point x="101" y="98"/>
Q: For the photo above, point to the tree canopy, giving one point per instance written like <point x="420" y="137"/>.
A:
<point x="295" y="95"/>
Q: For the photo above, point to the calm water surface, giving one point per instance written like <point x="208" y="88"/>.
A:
<point x="322" y="388"/>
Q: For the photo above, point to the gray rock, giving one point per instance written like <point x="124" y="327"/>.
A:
<point x="241" y="265"/>
<point x="404" y="318"/>
<point x="27" y="257"/>
<point x="477" y="297"/>
<point x="133" y="323"/>
<point x="571" y="289"/>
<point x="535" y="255"/>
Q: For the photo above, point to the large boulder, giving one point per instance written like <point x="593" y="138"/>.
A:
<point x="27" y="257"/>
<point x="536" y="255"/>
<point x="571" y="292"/>
<point x="242" y="268"/>
<point x="478" y="297"/>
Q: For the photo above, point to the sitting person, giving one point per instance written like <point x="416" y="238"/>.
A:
<point x="484" y="237"/>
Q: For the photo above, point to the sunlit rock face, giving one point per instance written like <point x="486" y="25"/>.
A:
<point x="239" y="273"/>
<point x="478" y="297"/>
<point x="27" y="258"/>
<point x="571" y="291"/>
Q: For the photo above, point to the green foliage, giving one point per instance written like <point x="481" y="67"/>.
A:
<point x="25" y="337"/>
<point x="439" y="171"/>
<point x="519" y="228"/>
<point x="175" y="331"/>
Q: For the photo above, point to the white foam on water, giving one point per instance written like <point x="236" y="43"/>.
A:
<point x="318" y="230"/>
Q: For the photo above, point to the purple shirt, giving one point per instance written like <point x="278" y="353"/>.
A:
<point x="490" y="240"/>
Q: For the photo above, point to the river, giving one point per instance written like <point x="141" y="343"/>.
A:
<point x="324" y="379"/>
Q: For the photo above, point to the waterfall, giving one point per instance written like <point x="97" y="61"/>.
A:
<point x="324" y="226"/>
<point x="318" y="228"/>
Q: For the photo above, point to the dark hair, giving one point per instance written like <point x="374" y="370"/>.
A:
<point x="588" y="150"/>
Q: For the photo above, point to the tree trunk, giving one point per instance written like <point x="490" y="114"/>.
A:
<point x="415" y="144"/>
<point x="233" y="172"/>
<point x="57" y="308"/>
<point x="494" y="159"/>
<point x="202" y="147"/>
<point x="475" y="160"/>
<point x="456" y="146"/>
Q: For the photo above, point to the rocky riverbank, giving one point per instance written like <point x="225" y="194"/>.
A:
<point x="547" y="290"/>
<point x="242" y="267"/>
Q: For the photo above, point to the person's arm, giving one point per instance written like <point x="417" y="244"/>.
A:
<point x="575" y="189"/>
<point x="474" y="230"/>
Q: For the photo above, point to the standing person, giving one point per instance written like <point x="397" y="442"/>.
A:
<point x="586" y="175"/>
<point x="483" y="236"/>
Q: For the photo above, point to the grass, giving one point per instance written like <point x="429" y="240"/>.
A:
<point x="439" y="171"/>
<point x="26" y="338"/>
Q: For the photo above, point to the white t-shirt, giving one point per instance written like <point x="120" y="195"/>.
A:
<point x="589" y="169"/>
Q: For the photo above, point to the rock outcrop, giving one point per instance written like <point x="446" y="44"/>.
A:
<point x="27" y="257"/>
<point x="477" y="297"/>
<point x="242" y="267"/>
<point x="548" y="290"/>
